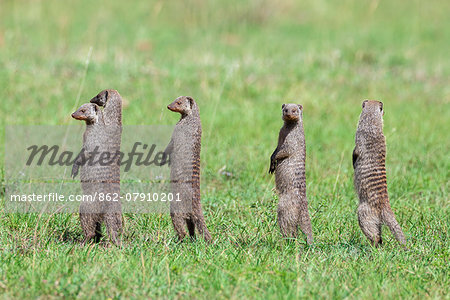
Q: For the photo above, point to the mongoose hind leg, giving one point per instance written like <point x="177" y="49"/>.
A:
<point x="113" y="221"/>
<point x="287" y="227"/>
<point x="191" y="227"/>
<point x="98" y="232"/>
<point x="179" y="221"/>
<point x="305" y="224"/>
<point x="287" y="218"/>
<point x="370" y="224"/>
<point x="89" y="225"/>
<point x="388" y="218"/>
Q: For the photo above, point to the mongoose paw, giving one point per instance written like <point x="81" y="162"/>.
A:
<point x="355" y="157"/>
<point x="166" y="159"/>
<point x="75" y="168"/>
<point x="273" y="162"/>
<point x="273" y="166"/>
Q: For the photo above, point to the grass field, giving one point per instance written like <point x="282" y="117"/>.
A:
<point x="240" y="60"/>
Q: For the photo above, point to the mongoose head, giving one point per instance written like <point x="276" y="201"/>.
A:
<point x="371" y="118"/>
<point x="373" y="107"/>
<point x="88" y="112"/>
<point x="183" y="105"/>
<point x="103" y="97"/>
<point x="292" y="112"/>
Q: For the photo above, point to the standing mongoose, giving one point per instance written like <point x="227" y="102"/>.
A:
<point x="100" y="177"/>
<point x="184" y="150"/>
<point x="369" y="163"/>
<point x="288" y="163"/>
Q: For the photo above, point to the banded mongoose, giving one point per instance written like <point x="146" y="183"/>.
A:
<point x="369" y="163"/>
<point x="288" y="163"/>
<point x="111" y="101"/>
<point x="100" y="177"/>
<point x="184" y="150"/>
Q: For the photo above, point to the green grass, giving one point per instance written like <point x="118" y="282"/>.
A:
<point x="240" y="61"/>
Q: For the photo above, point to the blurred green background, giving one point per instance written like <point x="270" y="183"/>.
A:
<point x="240" y="60"/>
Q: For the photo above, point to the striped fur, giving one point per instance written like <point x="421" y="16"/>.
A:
<point x="184" y="150"/>
<point x="288" y="163"/>
<point x="103" y="132"/>
<point x="369" y="163"/>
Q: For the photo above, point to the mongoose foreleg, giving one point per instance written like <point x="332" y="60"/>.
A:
<point x="80" y="160"/>
<point x="278" y="155"/>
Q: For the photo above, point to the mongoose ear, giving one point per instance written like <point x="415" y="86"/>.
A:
<point x="364" y="103"/>
<point x="282" y="106"/>
<point x="381" y="106"/>
<point x="191" y="101"/>
<point x="300" y="106"/>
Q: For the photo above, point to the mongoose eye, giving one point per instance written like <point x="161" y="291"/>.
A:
<point x="83" y="110"/>
<point x="285" y="110"/>
<point x="293" y="111"/>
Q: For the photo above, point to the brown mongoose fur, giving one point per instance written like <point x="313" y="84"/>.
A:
<point x="369" y="163"/>
<point x="99" y="178"/>
<point x="288" y="163"/>
<point x="184" y="150"/>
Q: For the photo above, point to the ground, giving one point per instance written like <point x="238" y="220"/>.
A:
<point x="241" y="61"/>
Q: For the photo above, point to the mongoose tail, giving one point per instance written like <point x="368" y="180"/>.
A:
<point x="388" y="217"/>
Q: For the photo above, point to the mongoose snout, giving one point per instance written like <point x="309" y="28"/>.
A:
<point x="78" y="116"/>
<point x="87" y="112"/>
<point x="291" y="112"/>
<point x="101" y="98"/>
<point x="182" y="105"/>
